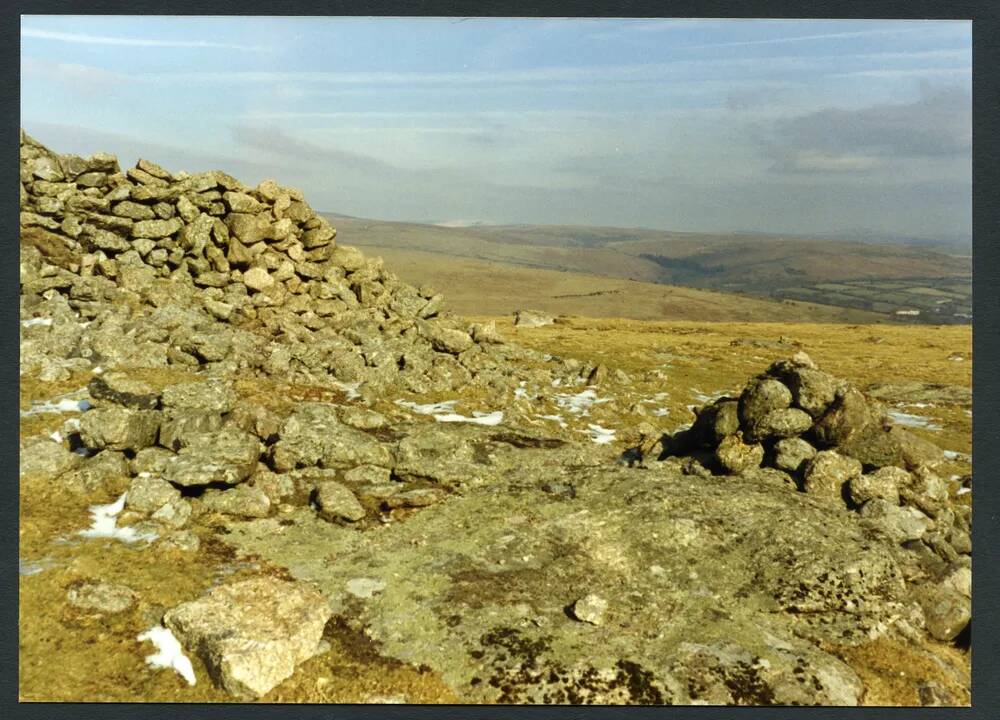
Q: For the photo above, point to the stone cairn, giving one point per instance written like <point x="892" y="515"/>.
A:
<point x="260" y="260"/>
<point x="798" y="426"/>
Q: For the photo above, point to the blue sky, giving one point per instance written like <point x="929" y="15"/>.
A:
<point x="701" y="125"/>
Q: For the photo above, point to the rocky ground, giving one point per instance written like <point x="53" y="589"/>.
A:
<point x="256" y="465"/>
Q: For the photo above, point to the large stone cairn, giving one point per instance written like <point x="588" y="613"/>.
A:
<point x="253" y="260"/>
<point x="801" y="427"/>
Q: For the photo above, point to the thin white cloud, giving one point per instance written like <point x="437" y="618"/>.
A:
<point x="915" y="26"/>
<point x="130" y="41"/>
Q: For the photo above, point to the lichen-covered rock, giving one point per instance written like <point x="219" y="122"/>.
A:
<point x="828" y="472"/>
<point x="898" y="523"/>
<point x="225" y="456"/>
<point x="946" y="610"/>
<point x="45" y="458"/>
<point x="148" y="494"/>
<point x="119" y="428"/>
<point x="101" y="597"/>
<point x="242" y="501"/>
<point x="122" y="389"/>
<point x="180" y="428"/>
<point x="760" y="397"/>
<point x="882" y="484"/>
<point x="791" y="454"/>
<point x="314" y="435"/>
<point x="786" y="423"/>
<point x="337" y="502"/>
<point x="735" y="456"/>
<point x="252" y="634"/>
<point x="847" y="416"/>
<point x="812" y="390"/>
<point x="715" y="422"/>
<point x="210" y="395"/>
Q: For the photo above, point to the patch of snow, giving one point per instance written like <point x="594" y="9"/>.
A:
<point x="963" y="491"/>
<point x="169" y="653"/>
<point x="57" y="436"/>
<point x="429" y="408"/>
<point x="104" y="524"/>
<point x="363" y="587"/>
<point x="955" y="455"/>
<point x="580" y="403"/>
<point x="31" y="567"/>
<point x="479" y="418"/>
<point x="557" y="382"/>
<point x="704" y="398"/>
<point x="600" y="435"/>
<point x="350" y="388"/>
<point x="660" y="412"/>
<point x="97" y="370"/>
<point x="912" y="420"/>
<point x="917" y="405"/>
<point x="62" y="406"/>
<point x="521" y="393"/>
<point x="36" y="321"/>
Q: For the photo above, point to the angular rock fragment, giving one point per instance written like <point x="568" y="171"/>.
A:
<point x="252" y="634"/>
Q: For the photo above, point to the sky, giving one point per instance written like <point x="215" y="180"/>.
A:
<point x="787" y="126"/>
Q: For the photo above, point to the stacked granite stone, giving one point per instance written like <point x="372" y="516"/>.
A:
<point x="255" y="259"/>
<point x="800" y="426"/>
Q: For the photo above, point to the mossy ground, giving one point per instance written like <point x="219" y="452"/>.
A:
<point x="69" y="655"/>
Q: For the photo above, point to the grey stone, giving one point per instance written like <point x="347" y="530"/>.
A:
<point x="898" y="523"/>
<point x="252" y="634"/>
<point x="760" y="397"/>
<point x="735" y="456"/>
<point x="174" y="513"/>
<point x="827" y="473"/>
<point x="45" y="458"/>
<point x="313" y="434"/>
<point x="882" y="484"/>
<point x="336" y="502"/>
<point x="210" y="395"/>
<point x="367" y="474"/>
<point x="148" y="494"/>
<point x="119" y="428"/>
<point x="791" y="454"/>
<point x="421" y="497"/>
<point x="242" y="501"/>
<point x="946" y="610"/>
<point x="226" y="456"/>
<point x="180" y="427"/>
<point x="101" y="597"/>
<point x="590" y="609"/>
<point x="782" y="424"/>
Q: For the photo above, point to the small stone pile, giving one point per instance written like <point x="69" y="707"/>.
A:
<point x="228" y="268"/>
<point x="801" y="427"/>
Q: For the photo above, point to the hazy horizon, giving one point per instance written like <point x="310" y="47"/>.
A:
<point x="796" y="127"/>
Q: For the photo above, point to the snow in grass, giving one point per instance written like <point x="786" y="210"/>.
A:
<point x="98" y="370"/>
<point x="520" y="392"/>
<point x="104" y="524"/>
<point x="169" y="653"/>
<point x="56" y="436"/>
<point x="917" y="405"/>
<point x="33" y="322"/>
<point x="703" y="397"/>
<point x="479" y="418"/>
<point x="557" y="382"/>
<point x="909" y="420"/>
<point x="600" y="435"/>
<point x="660" y="412"/>
<point x="32" y="567"/>
<point x="963" y="491"/>
<point x="580" y="403"/>
<point x="428" y="408"/>
<point x="60" y="406"/>
<point x="350" y="388"/>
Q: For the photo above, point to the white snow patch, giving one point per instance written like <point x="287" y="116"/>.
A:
<point x="600" y="435"/>
<point x="479" y="418"/>
<point x="912" y="420"/>
<point x="917" y="405"/>
<point x="557" y="382"/>
<point x="169" y="653"/>
<point x="955" y="455"/>
<point x="363" y="587"/>
<point x="521" y="393"/>
<point x="580" y="403"/>
<point x="429" y="408"/>
<point x="97" y="370"/>
<point x="350" y="388"/>
<point x="61" y="406"/>
<point x="36" y="321"/>
<point x="963" y="491"/>
<point x="660" y="412"/>
<point x="105" y="523"/>
<point x="57" y="436"/>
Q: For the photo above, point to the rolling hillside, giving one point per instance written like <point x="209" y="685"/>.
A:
<point x="889" y="281"/>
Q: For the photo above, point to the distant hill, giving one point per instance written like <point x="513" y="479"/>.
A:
<point x="890" y="280"/>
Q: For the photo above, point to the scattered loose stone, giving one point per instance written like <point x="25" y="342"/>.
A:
<point x="590" y="609"/>
<point x="336" y="502"/>
<point x="101" y="597"/>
